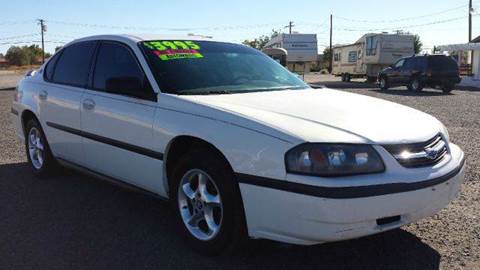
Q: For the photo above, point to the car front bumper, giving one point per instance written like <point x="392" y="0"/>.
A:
<point x="297" y="217"/>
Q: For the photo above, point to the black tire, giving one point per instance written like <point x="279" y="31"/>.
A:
<point x="348" y="77"/>
<point x="415" y="84"/>
<point x="447" y="88"/>
<point x="232" y="233"/>
<point x="383" y="83"/>
<point x="344" y="78"/>
<point x="48" y="165"/>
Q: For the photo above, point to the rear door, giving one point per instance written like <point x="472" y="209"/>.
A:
<point x="66" y="76"/>
<point x="406" y="71"/>
<point x="117" y="119"/>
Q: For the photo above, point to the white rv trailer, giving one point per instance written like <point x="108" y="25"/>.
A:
<point x="370" y="54"/>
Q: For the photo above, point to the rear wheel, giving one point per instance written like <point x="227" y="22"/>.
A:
<point x="415" y="85"/>
<point x="447" y="87"/>
<point x="348" y="77"/>
<point x="383" y="83"/>
<point x="343" y="77"/>
<point x="208" y="203"/>
<point x="38" y="151"/>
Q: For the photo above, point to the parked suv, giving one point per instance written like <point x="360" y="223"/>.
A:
<point x="416" y="72"/>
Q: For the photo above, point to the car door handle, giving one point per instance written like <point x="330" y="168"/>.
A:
<point x="43" y="95"/>
<point x="88" y="104"/>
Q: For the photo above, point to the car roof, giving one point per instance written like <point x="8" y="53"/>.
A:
<point x="135" y="38"/>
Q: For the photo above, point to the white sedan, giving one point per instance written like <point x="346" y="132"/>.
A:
<point x="239" y="145"/>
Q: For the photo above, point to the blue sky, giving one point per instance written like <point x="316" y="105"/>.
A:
<point x="436" y="21"/>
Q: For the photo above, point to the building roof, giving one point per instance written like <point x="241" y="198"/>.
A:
<point x="476" y="40"/>
<point x="459" y="47"/>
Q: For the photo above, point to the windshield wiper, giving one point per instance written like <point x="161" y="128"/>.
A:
<point x="210" y="92"/>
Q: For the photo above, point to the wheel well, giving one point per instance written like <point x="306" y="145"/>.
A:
<point x="181" y="145"/>
<point x="27" y="115"/>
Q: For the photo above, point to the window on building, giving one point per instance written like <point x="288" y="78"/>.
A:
<point x="337" y="57"/>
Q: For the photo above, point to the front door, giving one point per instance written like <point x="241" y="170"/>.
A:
<point x="117" y="120"/>
<point x="396" y="72"/>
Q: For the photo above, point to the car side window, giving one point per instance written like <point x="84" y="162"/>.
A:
<point x="399" y="63"/>
<point x="49" y="69"/>
<point x="117" y="71"/>
<point x="73" y="66"/>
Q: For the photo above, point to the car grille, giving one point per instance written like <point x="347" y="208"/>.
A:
<point x="419" y="154"/>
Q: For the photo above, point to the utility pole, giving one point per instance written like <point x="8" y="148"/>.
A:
<point x="470" y="11"/>
<point x="43" y="29"/>
<point x="330" y="66"/>
<point x="290" y="25"/>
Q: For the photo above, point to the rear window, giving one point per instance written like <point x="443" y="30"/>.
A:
<point x="74" y="64"/>
<point x="441" y="62"/>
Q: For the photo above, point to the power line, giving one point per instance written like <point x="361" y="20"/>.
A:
<point x="211" y="28"/>
<point x="402" y="26"/>
<point x="16" y="22"/>
<point x="15" y="37"/>
<point x="419" y="17"/>
<point x="32" y="41"/>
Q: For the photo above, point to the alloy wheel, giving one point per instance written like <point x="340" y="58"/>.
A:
<point x="36" y="148"/>
<point x="200" y="204"/>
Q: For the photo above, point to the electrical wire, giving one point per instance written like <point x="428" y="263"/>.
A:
<point x="400" y="27"/>
<point x="419" y="17"/>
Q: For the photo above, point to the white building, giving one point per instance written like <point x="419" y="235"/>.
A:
<point x="301" y="49"/>
<point x="469" y="70"/>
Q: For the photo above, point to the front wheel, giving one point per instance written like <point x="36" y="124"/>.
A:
<point x="38" y="151"/>
<point x="384" y="83"/>
<point x="208" y="203"/>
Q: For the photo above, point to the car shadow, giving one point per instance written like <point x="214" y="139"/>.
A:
<point x="404" y="92"/>
<point x="73" y="221"/>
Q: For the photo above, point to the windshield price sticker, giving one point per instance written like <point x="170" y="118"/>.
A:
<point x="170" y="50"/>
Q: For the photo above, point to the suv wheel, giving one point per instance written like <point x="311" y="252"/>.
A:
<point x="348" y="77"/>
<point x="447" y="88"/>
<point x="383" y="82"/>
<point x="208" y="203"/>
<point x="415" y="85"/>
<point x="38" y="151"/>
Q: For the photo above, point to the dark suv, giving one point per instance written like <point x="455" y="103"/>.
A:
<point x="417" y="72"/>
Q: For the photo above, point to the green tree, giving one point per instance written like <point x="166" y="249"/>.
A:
<point x="326" y="58"/>
<point x="17" y="56"/>
<point x="25" y="55"/>
<point x="260" y="42"/>
<point x="417" y="44"/>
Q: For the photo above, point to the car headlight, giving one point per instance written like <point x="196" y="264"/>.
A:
<point x="323" y="159"/>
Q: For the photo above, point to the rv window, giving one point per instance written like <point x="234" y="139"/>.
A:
<point x="352" y="57"/>
<point x="371" y="46"/>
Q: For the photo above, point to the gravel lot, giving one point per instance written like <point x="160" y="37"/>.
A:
<point x="72" y="221"/>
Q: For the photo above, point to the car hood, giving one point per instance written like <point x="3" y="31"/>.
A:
<point x="325" y="115"/>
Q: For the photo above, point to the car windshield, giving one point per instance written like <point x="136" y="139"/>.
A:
<point x="204" y="67"/>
